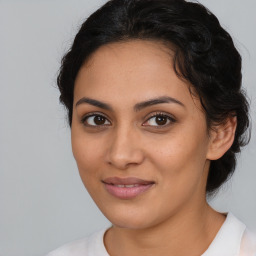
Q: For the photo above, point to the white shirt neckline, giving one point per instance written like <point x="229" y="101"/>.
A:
<point x="227" y="242"/>
<point x="232" y="229"/>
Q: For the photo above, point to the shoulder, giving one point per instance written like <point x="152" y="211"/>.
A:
<point x="76" y="248"/>
<point x="247" y="240"/>
<point x="248" y="243"/>
<point x="233" y="238"/>
<point x="90" y="245"/>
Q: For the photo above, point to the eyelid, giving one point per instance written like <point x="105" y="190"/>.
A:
<point x="151" y="115"/>
<point x="160" y="113"/>
<point x="83" y="119"/>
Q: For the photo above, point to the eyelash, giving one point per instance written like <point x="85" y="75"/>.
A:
<point x="91" y="115"/>
<point x="161" y="114"/>
<point x="153" y="115"/>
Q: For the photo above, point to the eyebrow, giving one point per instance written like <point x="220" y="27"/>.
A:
<point x="93" y="102"/>
<point x="155" y="101"/>
<point x="137" y="107"/>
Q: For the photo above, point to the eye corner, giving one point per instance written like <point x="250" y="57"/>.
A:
<point x="84" y="120"/>
<point x="169" y="119"/>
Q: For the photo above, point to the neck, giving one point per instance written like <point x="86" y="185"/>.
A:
<point x="188" y="232"/>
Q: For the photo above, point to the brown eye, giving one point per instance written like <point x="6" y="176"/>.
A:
<point x="99" y="120"/>
<point x="95" y="120"/>
<point x="159" y="120"/>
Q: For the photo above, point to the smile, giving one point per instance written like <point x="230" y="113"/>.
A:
<point x="126" y="188"/>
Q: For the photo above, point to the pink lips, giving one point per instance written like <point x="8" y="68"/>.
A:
<point x="126" y="188"/>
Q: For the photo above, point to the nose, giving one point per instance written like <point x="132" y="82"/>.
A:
<point x="125" y="149"/>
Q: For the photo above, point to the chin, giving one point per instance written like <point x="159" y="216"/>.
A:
<point x="132" y="218"/>
<point x="126" y="223"/>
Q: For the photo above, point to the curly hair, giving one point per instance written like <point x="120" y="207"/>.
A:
<point x="204" y="55"/>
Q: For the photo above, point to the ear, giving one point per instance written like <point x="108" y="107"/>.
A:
<point x="221" y="138"/>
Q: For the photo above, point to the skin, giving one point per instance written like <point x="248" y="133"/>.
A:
<point x="176" y="155"/>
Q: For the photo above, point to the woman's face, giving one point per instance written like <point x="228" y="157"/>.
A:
<point x="138" y="136"/>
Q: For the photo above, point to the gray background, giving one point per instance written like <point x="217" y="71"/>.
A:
<point x="43" y="203"/>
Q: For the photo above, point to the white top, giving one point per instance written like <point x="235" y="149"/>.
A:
<point x="233" y="239"/>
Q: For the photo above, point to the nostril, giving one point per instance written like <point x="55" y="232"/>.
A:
<point x="123" y="157"/>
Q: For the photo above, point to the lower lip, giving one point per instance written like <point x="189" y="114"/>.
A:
<point x="126" y="192"/>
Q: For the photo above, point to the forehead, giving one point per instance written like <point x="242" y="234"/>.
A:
<point x="141" y="47"/>
<point x="134" y="70"/>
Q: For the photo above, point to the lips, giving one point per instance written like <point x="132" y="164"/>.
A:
<point x="126" y="188"/>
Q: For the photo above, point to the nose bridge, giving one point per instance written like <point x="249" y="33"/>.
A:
<point x="125" y="147"/>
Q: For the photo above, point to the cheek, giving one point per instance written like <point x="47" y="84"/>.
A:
<point x="87" y="153"/>
<point x="179" y="150"/>
<point x="181" y="159"/>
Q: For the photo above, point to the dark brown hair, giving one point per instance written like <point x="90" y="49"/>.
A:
<point x="204" y="55"/>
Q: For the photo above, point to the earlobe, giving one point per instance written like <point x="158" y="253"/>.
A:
<point x="221" y="138"/>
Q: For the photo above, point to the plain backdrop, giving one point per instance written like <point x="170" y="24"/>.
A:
<point x="43" y="203"/>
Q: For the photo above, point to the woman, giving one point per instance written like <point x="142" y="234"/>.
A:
<point x="157" y="115"/>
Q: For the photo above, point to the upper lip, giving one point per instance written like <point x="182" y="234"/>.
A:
<point x="126" y="181"/>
